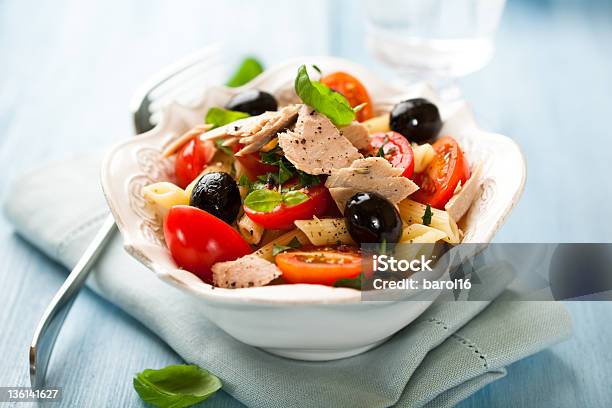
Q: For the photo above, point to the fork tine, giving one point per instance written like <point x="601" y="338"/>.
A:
<point x="191" y="86"/>
<point x="170" y="84"/>
<point x="141" y="102"/>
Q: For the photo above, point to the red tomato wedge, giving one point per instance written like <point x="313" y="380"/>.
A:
<point x="191" y="160"/>
<point x="282" y="216"/>
<point x="197" y="240"/>
<point x="318" y="267"/>
<point x="441" y="177"/>
<point x="252" y="164"/>
<point x="353" y="90"/>
<point x="397" y="150"/>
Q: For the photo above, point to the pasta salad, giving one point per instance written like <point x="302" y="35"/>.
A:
<point x="265" y="193"/>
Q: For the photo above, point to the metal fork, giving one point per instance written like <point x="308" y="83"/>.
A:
<point x="186" y="77"/>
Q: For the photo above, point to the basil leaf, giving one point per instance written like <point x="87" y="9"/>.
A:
<point x="308" y="180"/>
<point x="292" y="198"/>
<point x="244" y="181"/>
<point x="355" y="283"/>
<point x="331" y="104"/>
<point x="284" y="173"/>
<point x="248" y="69"/>
<point x="224" y="149"/>
<point x="293" y="244"/>
<point x="271" y="157"/>
<point x="175" y="386"/>
<point x="220" y="117"/>
<point x="263" y="200"/>
<point x="252" y="185"/>
<point x="427" y="215"/>
<point x="288" y="170"/>
<point x="258" y="185"/>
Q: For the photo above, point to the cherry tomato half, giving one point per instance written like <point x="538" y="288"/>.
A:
<point x="252" y="164"/>
<point x="397" y="150"/>
<point x="191" y="160"/>
<point x="318" y="267"/>
<point x="282" y="216"/>
<point x="439" y="180"/>
<point x="353" y="90"/>
<point x="197" y="240"/>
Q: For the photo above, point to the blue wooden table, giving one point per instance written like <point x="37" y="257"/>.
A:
<point x="68" y="68"/>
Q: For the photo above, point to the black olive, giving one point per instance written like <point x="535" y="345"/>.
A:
<point x="418" y="120"/>
<point x="217" y="193"/>
<point x="371" y="218"/>
<point x="253" y="102"/>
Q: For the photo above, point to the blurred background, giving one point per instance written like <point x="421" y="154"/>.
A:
<point x="68" y="69"/>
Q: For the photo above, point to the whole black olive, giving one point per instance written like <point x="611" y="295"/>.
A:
<point x="253" y="102"/>
<point x="418" y="120"/>
<point x="217" y="193"/>
<point x="371" y="218"/>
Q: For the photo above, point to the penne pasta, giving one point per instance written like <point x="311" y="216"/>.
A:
<point x="423" y="154"/>
<point x="250" y="230"/>
<point x="325" y="231"/>
<point x="265" y="251"/>
<point x="189" y="188"/>
<point x="377" y="124"/>
<point x="412" y="213"/>
<point x="220" y="162"/>
<point x="270" y="235"/>
<point x="422" y="234"/>
<point x="240" y="172"/>
<point x="164" y="196"/>
<point x="422" y="241"/>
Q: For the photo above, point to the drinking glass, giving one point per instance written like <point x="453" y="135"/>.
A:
<point x="433" y="40"/>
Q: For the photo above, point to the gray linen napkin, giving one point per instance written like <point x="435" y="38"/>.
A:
<point x="451" y="351"/>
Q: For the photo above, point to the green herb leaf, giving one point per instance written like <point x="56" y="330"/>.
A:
<point x="258" y="185"/>
<point x="244" y="181"/>
<point x="427" y="216"/>
<point x="307" y="180"/>
<point x="274" y="156"/>
<point x="248" y="69"/>
<point x="220" y="117"/>
<point x="254" y="185"/>
<point x="329" y="103"/>
<point x="263" y="200"/>
<point x="381" y="152"/>
<point x="284" y="172"/>
<point x="293" y="244"/>
<point x="355" y="283"/>
<point x="175" y="386"/>
<point x="287" y="170"/>
<point x="224" y="149"/>
<point x="316" y="68"/>
<point x="292" y="198"/>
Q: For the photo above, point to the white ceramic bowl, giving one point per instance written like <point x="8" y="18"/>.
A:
<point x="309" y="322"/>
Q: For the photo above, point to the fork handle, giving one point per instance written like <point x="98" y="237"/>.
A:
<point x="51" y="322"/>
